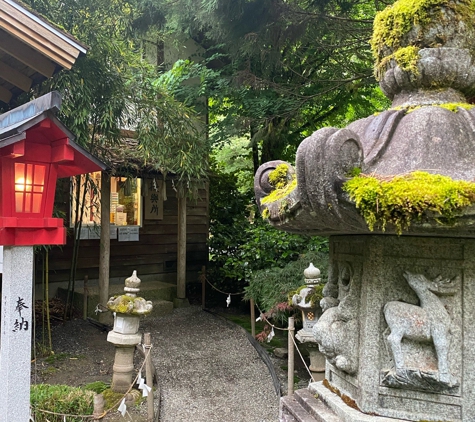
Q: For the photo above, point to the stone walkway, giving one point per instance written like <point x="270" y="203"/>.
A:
<point x="208" y="370"/>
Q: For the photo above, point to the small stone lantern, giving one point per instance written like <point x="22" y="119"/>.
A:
<point x="310" y="313"/>
<point x="127" y="309"/>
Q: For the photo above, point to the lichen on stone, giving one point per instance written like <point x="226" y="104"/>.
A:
<point x="402" y="199"/>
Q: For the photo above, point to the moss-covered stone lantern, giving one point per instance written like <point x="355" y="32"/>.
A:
<point x="127" y="310"/>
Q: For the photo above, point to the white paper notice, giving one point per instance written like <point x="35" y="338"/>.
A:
<point x="128" y="234"/>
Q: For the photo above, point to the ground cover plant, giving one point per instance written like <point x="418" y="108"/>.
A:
<point x="50" y="402"/>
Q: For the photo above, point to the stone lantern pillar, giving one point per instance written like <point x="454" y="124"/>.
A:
<point x="127" y="309"/>
<point x="311" y="311"/>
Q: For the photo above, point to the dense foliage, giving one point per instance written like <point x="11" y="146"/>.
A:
<point x="276" y="70"/>
<point x="243" y="247"/>
<point x="113" y="88"/>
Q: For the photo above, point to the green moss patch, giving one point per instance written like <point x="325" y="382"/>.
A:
<point x="278" y="177"/>
<point x="277" y="194"/>
<point x="453" y="107"/>
<point x="392" y="25"/>
<point x="405" y="57"/>
<point x="314" y="299"/>
<point x="123" y="304"/>
<point x="402" y="199"/>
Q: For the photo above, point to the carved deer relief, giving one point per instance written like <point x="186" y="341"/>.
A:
<point x="428" y="322"/>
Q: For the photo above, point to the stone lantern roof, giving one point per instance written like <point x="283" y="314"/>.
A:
<point x="425" y="64"/>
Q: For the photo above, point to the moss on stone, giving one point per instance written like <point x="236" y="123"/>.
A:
<point x="405" y="57"/>
<point x="277" y="194"/>
<point x="278" y="177"/>
<point x="453" y="107"/>
<point x="407" y="198"/>
<point x="392" y="25"/>
<point x="265" y="213"/>
<point x="123" y="304"/>
<point x="314" y="299"/>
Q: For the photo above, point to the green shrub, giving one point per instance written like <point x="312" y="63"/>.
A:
<point x="61" y="399"/>
<point x="270" y="287"/>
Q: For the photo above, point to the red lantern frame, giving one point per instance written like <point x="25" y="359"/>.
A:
<point x="33" y="155"/>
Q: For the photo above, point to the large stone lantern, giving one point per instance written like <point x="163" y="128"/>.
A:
<point x="127" y="309"/>
<point x="397" y="327"/>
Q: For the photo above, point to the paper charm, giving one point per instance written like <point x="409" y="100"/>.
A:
<point x="271" y="335"/>
<point x="146" y="390"/>
<point x="259" y="319"/>
<point x="122" y="407"/>
<point x="228" y="300"/>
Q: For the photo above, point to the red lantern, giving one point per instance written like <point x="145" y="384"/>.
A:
<point x="36" y="150"/>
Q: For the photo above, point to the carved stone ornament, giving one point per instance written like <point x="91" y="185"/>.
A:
<point x="428" y="322"/>
<point x="336" y="329"/>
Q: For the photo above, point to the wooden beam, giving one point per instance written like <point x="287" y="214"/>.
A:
<point x="26" y="55"/>
<point x="15" y="77"/>
<point x="5" y="95"/>
<point x="38" y="35"/>
<point x="181" y="258"/>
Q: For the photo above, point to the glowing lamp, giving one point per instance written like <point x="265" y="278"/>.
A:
<point x="35" y="150"/>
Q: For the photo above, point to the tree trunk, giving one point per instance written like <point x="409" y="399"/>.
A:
<point x="104" y="256"/>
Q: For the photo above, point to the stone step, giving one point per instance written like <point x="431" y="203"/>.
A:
<point x="344" y="412"/>
<point x="161" y="308"/>
<point x="156" y="291"/>
<point x="315" y="407"/>
<point x="292" y="411"/>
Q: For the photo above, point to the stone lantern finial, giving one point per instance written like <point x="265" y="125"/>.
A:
<point x="312" y="275"/>
<point x="132" y="284"/>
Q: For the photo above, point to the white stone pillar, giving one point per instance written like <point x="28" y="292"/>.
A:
<point x="16" y="331"/>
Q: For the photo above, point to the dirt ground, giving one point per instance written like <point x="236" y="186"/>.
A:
<point x="82" y="355"/>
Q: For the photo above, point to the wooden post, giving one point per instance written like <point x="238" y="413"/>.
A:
<point x="181" y="259"/>
<point x="253" y="318"/>
<point x="85" y="297"/>
<point x="290" y="373"/>
<point x="105" y="243"/>
<point x="149" y="375"/>
<point x="203" y="287"/>
<point x="98" y="407"/>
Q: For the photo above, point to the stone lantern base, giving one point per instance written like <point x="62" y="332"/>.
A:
<point x="123" y="367"/>
<point x="400" y="341"/>
<point x="317" y="360"/>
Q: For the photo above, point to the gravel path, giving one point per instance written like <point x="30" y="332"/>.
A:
<point x="208" y="370"/>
